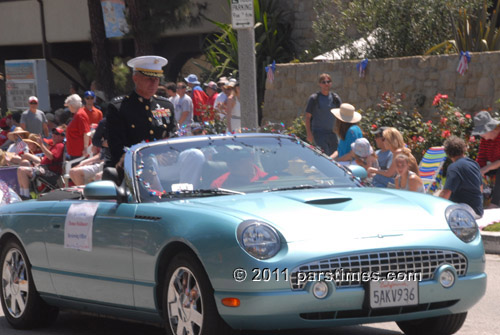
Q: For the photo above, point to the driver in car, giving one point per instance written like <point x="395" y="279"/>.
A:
<point x="242" y="171"/>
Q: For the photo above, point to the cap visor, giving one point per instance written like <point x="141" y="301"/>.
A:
<point x="151" y="73"/>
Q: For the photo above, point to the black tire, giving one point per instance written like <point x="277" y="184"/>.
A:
<point x="22" y="306"/>
<point x="441" y="325"/>
<point x="188" y="299"/>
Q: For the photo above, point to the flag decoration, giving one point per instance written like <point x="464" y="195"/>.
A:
<point x="4" y="188"/>
<point x="270" y="71"/>
<point x="20" y="146"/>
<point x="463" y="63"/>
<point x="361" y="67"/>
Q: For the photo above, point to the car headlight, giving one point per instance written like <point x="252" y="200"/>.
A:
<point x="258" y="239"/>
<point x="461" y="222"/>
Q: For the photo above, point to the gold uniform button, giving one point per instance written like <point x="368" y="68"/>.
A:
<point x="133" y="126"/>
<point x="150" y="119"/>
<point x="147" y="108"/>
<point x="151" y="132"/>
<point x="164" y="126"/>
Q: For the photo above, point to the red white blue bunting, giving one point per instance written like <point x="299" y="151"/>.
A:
<point x="463" y="63"/>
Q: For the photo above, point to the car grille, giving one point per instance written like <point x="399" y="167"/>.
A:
<point x="422" y="262"/>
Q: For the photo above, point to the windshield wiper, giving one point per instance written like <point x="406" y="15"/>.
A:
<point x="221" y="191"/>
<point x="197" y="193"/>
<point x="291" y="188"/>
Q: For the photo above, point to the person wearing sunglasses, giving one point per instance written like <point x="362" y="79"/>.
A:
<point x="384" y="157"/>
<point x="183" y="105"/>
<point x="34" y="120"/>
<point x="94" y="113"/>
<point x="319" y="120"/>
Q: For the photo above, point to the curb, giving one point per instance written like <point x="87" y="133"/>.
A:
<point x="491" y="242"/>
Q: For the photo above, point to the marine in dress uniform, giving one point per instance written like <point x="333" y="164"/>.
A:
<point x="134" y="118"/>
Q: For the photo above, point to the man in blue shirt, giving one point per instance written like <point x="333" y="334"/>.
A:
<point x="319" y="119"/>
<point x="463" y="177"/>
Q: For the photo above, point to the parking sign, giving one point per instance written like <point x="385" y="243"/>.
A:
<point x="242" y="14"/>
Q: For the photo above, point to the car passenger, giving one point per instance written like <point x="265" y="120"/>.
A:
<point x="242" y="171"/>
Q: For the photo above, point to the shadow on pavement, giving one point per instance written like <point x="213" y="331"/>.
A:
<point x="70" y="323"/>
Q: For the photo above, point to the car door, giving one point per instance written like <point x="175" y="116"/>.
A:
<point x="104" y="272"/>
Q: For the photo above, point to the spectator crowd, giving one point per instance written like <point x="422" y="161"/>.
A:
<point x="90" y="138"/>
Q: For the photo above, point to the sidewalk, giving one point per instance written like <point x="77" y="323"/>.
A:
<point x="491" y="240"/>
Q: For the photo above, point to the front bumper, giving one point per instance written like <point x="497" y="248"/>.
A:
<point x="287" y="309"/>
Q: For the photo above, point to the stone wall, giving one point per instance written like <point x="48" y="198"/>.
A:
<point x="419" y="78"/>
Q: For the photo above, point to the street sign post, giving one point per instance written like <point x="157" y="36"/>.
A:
<point x="242" y="14"/>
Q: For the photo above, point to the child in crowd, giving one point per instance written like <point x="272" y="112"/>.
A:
<point x="364" y="154"/>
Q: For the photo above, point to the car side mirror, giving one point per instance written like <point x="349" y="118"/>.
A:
<point x="358" y="171"/>
<point x="104" y="190"/>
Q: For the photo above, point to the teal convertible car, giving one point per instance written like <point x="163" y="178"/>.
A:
<point x="253" y="231"/>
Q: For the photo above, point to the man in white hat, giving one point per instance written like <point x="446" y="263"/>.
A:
<point x="33" y="119"/>
<point x="141" y="115"/>
<point x="198" y="96"/>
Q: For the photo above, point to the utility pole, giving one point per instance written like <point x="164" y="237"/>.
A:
<point x="242" y="14"/>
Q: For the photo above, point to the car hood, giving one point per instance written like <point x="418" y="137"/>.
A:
<point x="337" y="213"/>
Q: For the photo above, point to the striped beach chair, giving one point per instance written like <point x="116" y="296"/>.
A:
<point x="430" y="168"/>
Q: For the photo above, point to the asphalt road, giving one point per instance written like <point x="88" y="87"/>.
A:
<point x="482" y="319"/>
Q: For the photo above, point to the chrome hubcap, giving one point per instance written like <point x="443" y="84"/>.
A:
<point x="15" y="287"/>
<point x="184" y="303"/>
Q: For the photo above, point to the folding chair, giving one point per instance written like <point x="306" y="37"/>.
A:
<point x="40" y="185"/>
<point x="68" y="164"/>
<point x="430" y="168"/>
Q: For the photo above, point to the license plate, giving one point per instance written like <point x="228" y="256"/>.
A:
<point x="385" y="293"/>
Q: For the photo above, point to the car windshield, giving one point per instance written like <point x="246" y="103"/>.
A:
<point x="207" y="166"/>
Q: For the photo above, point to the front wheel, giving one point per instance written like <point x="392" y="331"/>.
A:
<point x="188" y="300"/>
<point x="22" y="306"/>
<point x="441" y="325"/>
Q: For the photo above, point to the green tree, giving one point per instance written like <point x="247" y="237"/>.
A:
<point x="272" y="42"/>
<point x="473" y="32"/>
<point x="399" y="27"/>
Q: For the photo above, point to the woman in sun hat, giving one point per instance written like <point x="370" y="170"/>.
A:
<point x="233" y="107"/>
<point x="488" y="156"/>
<point x="16" y="137"/>
<point x="347" y="131"/>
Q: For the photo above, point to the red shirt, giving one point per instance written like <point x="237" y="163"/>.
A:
<point x="74" y="133"/>
<point x="210" y="107"/>
<point x="199" y="98"/>
<point x="55" y="164"/>
<point x="489" y="151"/>
<point x="259" y="174"/>
<point x="95" y="115"/>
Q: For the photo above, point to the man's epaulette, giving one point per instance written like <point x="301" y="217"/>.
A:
<point x="159" y="97"/>
<point x="117" y="101"/>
